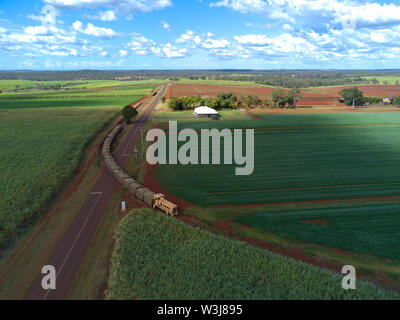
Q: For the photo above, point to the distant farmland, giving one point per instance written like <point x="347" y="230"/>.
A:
<point x="313" y="96"/>
<point x="66" y="102"/>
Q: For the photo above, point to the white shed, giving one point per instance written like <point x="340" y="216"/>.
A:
<point x="205" y="112"/>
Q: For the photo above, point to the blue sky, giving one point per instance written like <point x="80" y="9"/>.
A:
<point x="199" y="34"/>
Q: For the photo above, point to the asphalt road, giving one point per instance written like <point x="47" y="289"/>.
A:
<point x="70" y="251"/>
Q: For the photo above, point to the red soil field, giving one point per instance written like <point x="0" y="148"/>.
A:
<point x="324" y="96"/>
<point x="368" y="90"/>
<point x="181" y="90"/>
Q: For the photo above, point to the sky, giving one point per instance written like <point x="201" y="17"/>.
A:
<point x="199" y="34"/>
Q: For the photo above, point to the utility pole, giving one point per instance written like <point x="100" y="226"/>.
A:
<point x="141" y="138"/>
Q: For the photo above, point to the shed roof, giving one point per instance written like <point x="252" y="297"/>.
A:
<point x="205" y="110"/>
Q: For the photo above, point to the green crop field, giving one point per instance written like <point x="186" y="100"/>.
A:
<point x="156" y="257"/>
<point x="66" y="102"/>
<point x="219" y="82"/>
<point x="299" y="158"/>
<point x="94" y="97"/>
<point x="371" y="229"/>
<point x="39" y="150"/>
<point x="26" y="85"/>
<point x="306" y="159"/>
<point x="381" y="79"/>
<point x="115" y="83"/>
<point x="7" y="85"/>
<point x="79" y="93"/>
<point x="43" y="137"/>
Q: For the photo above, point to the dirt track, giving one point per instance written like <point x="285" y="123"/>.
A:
<point x="72" y="248"/>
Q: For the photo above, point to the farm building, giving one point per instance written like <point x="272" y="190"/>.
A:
<point x="205" y="112"/>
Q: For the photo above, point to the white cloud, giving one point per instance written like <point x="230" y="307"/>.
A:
<point x="165" y="25"/>
<point x="318" y="13"/>
<point x="92" y="30"/>
<point x="204" y="41"/>
<point x="108" y="15"/>
<point x="189" y="37"/>
<point x="252" y="39"/>
<point x="215" y="43"/>
<point x="120" y="5"/>
<point x="142" y="46"/>
<point x="46" y="40"/>
<point x="287" y="27"/>
<point x="123" y="53"/>
<point x="170" y="51"/>
<point x="41" y="30"/>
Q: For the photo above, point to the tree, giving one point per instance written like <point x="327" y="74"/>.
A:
<point x="249" y="101"/>
<point x="396" y="101"/>
<point x="225" y="100"/>
<point x="256" y="101"/>
<point x="163" y="99"/>
<point x="175" y="104"/>
<point x="292" y="96"/>
<point x="352" y="96"/>
<point x="128" y="112"/>
<point x="266" y="103"/>
<point x="279" y="97"/>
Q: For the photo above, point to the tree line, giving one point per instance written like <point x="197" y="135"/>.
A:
<point x="225" y="100"/>
<point x="282" y="78"/>
<point x="354" y="96"/>
<point x="228" y="100"/>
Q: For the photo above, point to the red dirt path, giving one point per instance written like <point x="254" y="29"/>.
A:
<point x="151" y="183"/>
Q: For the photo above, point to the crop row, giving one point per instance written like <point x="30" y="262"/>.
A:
<point x="39" y="151"/>
<point x="299" y="164"/>
<point x="160" y="258"/>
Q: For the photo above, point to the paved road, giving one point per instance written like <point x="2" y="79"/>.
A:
<point x="72" y="248"/>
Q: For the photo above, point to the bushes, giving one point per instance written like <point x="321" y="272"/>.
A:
<point x="157" y="257"/>
<point x="251" y="101"/>
<point x="222" y="101"/>
<point x="372" y="100"/>
<point x="225" y="101"/>
<point x="396" y="101"/>
<point x="185" y="103"/>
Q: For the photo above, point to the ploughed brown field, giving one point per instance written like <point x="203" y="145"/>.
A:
<point x="324" y="96"/>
